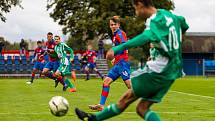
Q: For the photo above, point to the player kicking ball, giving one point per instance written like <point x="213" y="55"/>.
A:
<point x="38" y="60"/>
<point x="164" y="30"/>
<point x="61" y="50"/>
<point x="121" y="66"/>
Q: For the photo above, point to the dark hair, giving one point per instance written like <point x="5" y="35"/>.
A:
<point x="49" y="33"/>
<point x="115" y="19"/>
<point x="39" y="42"/>
<point x="146" y="3"/>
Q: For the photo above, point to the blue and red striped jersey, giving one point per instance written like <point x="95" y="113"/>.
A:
<point x="118" y="38"/>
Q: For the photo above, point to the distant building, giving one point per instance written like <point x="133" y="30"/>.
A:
<point x="199" y="45"/>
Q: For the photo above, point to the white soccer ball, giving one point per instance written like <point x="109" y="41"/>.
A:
<point x="59" y="106"/>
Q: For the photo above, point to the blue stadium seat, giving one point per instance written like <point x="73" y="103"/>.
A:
<point x="17" y="63"/>
<point x="9" y="63"/>
<point x="207" y="63"/>
<point x="9" y="60"/>
<point x="24" y="64"/>
<point x="2" y="61"/>
<point x="213" y="63"/>
<point x="17" y="60"/>
<point x="2" y="64"/>
<point x="78" y="67"/>
<point x="24" y="60"/>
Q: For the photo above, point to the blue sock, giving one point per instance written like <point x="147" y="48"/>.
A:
<point x="104" y="95"/>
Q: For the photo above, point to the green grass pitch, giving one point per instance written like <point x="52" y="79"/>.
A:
<point x="190" y="99"/>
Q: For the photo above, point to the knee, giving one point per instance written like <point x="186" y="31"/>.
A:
<point x="141" y="110"/>
<point x="57" y="74"/>
<point x="44" y="72"/>
<point x="107" y="82"/>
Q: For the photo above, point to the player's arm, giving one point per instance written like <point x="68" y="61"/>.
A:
<point x="70" y="51"/>
<point x="35" y="56"/>
<point x="139" y="40"/>
<point x="183" y="23"/>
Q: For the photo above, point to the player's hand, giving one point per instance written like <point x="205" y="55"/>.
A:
<point x="113" y="61"/>
<point x="110" y="54"/>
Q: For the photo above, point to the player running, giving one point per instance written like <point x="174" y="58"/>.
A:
<point x="38" y="60"/>
<point x="120" y="61"/>
<point x="61" y="50"/>
<point x="150" y="84"/>
<point x="53" y="63"/>
<point x="83" y="62"/>
<point x="91" y="65"/>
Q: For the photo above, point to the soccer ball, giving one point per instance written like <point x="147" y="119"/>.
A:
<point x="59" y="106"/>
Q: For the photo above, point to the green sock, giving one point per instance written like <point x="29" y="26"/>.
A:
<point x="108" y="112"/>
<point x="151" y="116"/>
<point x="69" y="83"/>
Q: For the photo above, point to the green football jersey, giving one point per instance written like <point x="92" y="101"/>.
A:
<point x="164" y="30"/>
<point x="61" y="50"/>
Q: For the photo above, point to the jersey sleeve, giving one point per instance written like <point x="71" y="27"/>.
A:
<point x="67" y="48"/>
<point x="141" y="39"/>
<point x="183" y="23"/>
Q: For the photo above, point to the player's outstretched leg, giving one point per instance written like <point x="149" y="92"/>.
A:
<point x="104" y="95"/>
<point x="143" y="110"/>
<point x="110" y="111"/>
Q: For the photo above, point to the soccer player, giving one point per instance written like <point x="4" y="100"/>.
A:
<point x="53" y="63"/>
<point x="83" y="62"/>
<point x="61" y="50"/>
<point x="39" y="61"/>
<point x="121" y="65"/>
<point x="91" y="65"/>
<point x="164" y="29"/>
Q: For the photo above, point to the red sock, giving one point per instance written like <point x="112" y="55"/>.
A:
<point x="32" y="75"/>
<point x="60" y="79"/>
<point x="74" y="75"/>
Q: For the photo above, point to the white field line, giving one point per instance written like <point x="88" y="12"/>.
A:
<point x="49" y="113"/>
<point x="190" y="94"/>
<point x="184" y="93"/>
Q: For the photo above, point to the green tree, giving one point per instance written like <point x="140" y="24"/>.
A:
<point x="8" y="45"/>
<point x="6" y="5"/>
<point x="85" y="20"/>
